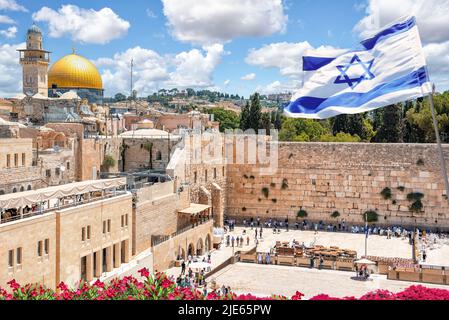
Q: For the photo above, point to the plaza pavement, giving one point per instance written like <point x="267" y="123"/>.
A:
<point x="263" y="281"/>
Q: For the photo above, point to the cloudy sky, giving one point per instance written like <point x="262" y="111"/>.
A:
<point x="235" y="46"/>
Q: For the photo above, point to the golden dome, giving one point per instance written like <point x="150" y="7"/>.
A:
<point x="74" y="72"/>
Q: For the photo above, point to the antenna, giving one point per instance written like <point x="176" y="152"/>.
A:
<point x="132" y="66"/>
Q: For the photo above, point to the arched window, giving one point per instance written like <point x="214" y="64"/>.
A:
<point x="2" y="192"/>
<point x="14" y="190"/>
<point x="22" y="189"/>
<point x="29" y="187"/>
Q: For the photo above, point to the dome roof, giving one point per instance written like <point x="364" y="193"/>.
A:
<point x="74" y="72"/>
<point x="34" y="29"/>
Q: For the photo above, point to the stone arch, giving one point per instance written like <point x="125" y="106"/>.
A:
<point x="181" y="255"/>
<point x="14" y="190"/>
<point x="200" y="247"/>
<point x="191" y="250"/>
<point x="208" y="243"/>
<point x="22" y="189"/>
<point x="29" y="187"/>
<point x="2" y="192"/>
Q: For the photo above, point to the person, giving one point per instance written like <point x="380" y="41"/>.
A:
<point x="260" y="232"/>
<point x="209" y="257"/>
<point x="190" y="274"/>
<point x="256" y="233"/>
<point x="232" y="241"/>
<point x="268" y="259"/>
<point x="316" y="228"/>
<point x="258" y="221"/>
<point x="183" y="267"/>
<point x="321" y="262"/>
<point x="247" y="241"/>
<point x="424" y="256"/>
<point x="259" y="258"/>
<point x="205" y="291"/>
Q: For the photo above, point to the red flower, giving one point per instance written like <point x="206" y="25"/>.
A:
<point x="144" y="272"/>
<point x="13" y="285"/>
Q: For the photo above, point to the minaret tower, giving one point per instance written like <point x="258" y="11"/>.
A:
<point x="34" y="60"/>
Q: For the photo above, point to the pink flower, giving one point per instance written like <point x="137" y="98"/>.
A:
<point x="144" y="272"/>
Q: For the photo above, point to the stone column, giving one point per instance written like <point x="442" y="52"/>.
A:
<point x="117" y="261"/>
<point x="99" y="265"/>
<point x="109" y="262"/>
<point x="89" y="267"/>
<point x="126" y="251"/>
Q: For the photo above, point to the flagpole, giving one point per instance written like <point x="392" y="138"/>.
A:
<point x="366" y="235"/>
<point x="440" y="148"/>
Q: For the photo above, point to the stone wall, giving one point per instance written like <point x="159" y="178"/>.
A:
<point x="167" y="252"/>
<point x="155" y="214"/>
<point x="325" y="177"/>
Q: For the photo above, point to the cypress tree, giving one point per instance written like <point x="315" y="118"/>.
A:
<point x="391" y="129"/>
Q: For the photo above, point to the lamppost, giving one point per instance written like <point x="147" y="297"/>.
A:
<point x="366" y="234"/>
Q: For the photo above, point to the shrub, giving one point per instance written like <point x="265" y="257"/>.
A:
<point x="386" y="193"/>
<point x="266" y="192"/>
<point x="302" y="214"/>
<point x="416" y="206"/>
<point x="370" y="216"/>
<point x="335" y="214"/>
<point x="284" y="184"/>
<point x="415" y="196"/>
<point x="108" y="161"/>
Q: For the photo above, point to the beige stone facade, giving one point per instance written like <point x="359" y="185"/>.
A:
<point x="322" y="178"/>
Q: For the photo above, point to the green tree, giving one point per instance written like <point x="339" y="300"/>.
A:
<point x="301" y="130"/>
<point x="119" y="97"/>
<point x="244" y="116"/>
<point x="390" y="130"/>
<point x="265" y="122"/>
<point x="228" y="119"/>
<point x="255" y="113"/>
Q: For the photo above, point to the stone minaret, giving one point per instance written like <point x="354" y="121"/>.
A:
<point x="34" y="61"/>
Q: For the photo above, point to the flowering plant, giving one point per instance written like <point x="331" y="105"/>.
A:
<point x="160" y="287"/>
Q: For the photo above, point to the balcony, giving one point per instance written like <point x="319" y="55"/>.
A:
<point x="24" y="205"/>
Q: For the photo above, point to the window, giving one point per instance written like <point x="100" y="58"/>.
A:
<point x="47" y="246"/>
<point x="158" y="156"/>
<point x="223" y="174"/>
<point x="16" y="160"/>
<point x="122" y="221"/>
<point x="215" y="173"/>
<point x="23" y="159"/>
<point x="88" y="232"/>
<point x="109" y="225"/>
<point x="8" y="161"/>
<point x="11" y="258"/>
<point x="68" y="165"/>
<point x="29" y="187"/>
<point x="195" y="176"/>
<point x="126" y="220"/>
<point x="39" y="249"/>
<point x="19" y="256"/>
<point x="22" y="189"/>
<point x="205" y="175"/>
<point x="83" y="234"/>
<point x="104" y="227"/>
<point x="57" y="171"/>
<point x="48" y="173"/>
<point x="14" y="190"/>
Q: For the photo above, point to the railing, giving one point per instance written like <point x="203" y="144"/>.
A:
<point x="39" y="212"/>
<point x="162" y="239"/>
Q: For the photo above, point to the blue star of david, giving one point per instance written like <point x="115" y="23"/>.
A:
<point x="353" y="82"/>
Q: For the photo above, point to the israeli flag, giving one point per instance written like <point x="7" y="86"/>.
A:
<point x="390" y="68"/>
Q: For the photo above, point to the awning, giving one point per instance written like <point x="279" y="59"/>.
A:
<point x="195" y="208"/>
<point x="28" y="198"/>
<point x="365" y="261"/>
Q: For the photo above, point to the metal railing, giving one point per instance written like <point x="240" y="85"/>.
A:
<point x="162" y="239"/>
<point x="40" y="212"/>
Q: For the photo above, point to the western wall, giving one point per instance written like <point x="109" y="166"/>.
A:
<point x="322" y="178"/>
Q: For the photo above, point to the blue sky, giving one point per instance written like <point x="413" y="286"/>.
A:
<point x="170" y="51"/>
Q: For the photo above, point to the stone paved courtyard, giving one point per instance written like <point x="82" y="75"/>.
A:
<point x="262" y="280"/>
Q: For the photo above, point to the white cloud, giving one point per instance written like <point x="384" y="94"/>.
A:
<point x="212" y="21"/>
<point x="249" y="77"/>
<point x="283" y="55"/>
<point x="279" y="87"/>
<point x="9" y="33"/>
<point x="11" y="5"/>
<point x="227" y="82"/>
<point x="193" y="69"/>
<point x="10" y="70"/>
<point x="431" y="15"/>
<point x="153" y="71"/>
<point x="85" y="25"/>
<point x="151" y="14"/>
<point x="6" y="20"/>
